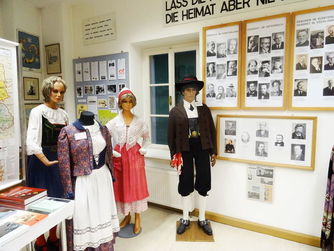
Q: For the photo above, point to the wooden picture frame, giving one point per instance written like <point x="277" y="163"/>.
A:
<point x="312" y="68"/>
<point x="286" y="141"/>
<point x="31" y="88"/>
<point x="222" y="65"/>
<point x="30" y="50"/>
<point x="265" y="62"/>
<point x="53" y="59"/>
<point x="27" y="109"/>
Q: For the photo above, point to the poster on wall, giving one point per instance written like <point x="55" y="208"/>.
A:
<point x="98" y="80"/>
<point x="312" y="80"/>
<point x="222" y="66"/>
<point x="268" y="140"/>
<point x="10" y="136"/>
<point x="265" y="64"/>
<point x="260" y="183"/>
<point x="30" y="51"/>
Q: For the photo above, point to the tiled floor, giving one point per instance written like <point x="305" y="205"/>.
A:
<point x="158" y="234"/>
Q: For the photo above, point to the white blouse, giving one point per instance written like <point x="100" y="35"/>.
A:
<point x="98" y="141"/>
<point x="34" y="132"/>
<point x="121" y="134"/>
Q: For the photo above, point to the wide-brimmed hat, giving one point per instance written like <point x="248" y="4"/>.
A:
<point x="190" y="81"/>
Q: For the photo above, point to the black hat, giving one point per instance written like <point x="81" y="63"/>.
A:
<point x="187" y="82"/>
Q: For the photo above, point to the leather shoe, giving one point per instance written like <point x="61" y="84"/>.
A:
<point x="184" y="224"/>
<point x="204" y="224"/>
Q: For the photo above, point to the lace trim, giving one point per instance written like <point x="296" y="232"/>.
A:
<point x="95" y="229"/>
<point x="93" y="244"/>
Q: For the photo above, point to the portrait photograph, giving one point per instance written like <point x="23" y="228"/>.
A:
<point x="232" y="46"/>
<point x="211" y="49"/>
<point x="279" y="140"/>
<point x="251" y="89"/>
<point x="278" y="41"/>
<point x="221" y="50"/>
<point x="316" y="65"/>
<point x="261" y="149"/>
<point x="230" y="91"/>
<point x="302" y="62"/>
<point x="229" y="145"/>
<point x="276" y="89"/>
<point x="262" y="129"/>
<point x="31" y="88"/>
<point x="300" y="87"/>
<point x="265" y="45"/>
<point x="253" y="43"/>
<point x="263" y="92"/>
<point x="210" y="92"/>
<point x="276" y="65"/>
<point x="298" y="152"/>
<point x="264" y="70"/>
<point x="317" y="39"/>
<point x="329" y="34"/>
<point x="329" y="61"/>
<point x="232" y="69"/>
<point x="230" y="127"/>
<point x="220" y="92"/>
<point x="328" y="89"/>
<point x="79" y="91"/>
<point x="221" y="71"/>
<point x="252" y="67"/>
<point x="298" y="131"/>
<point x="302" y="38"/>
<point x="211" y="70"/>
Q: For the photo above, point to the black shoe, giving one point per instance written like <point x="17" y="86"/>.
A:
<point x="182" y="226"/>
<point x="204" y="224"/>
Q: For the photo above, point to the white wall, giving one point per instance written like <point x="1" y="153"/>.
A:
<point x="298" y="195"/>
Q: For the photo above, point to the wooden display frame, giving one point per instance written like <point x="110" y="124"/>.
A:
<point x="313" y="96"/>
<point x="285" y="141"/>
<point x="259" y="30"/>
<point x="224" y="79"/>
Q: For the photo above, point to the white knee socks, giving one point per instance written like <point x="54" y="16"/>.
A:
<point x="186" y="206"/>
<point x="201" y="207"/>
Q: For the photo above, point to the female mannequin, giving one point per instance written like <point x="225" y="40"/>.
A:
<point x="85" y="163"/>
<point x="45" y="123"/>
<point x="129" y="166"/>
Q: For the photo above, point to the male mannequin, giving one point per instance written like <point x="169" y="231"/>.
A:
<point x="192" y="133"/>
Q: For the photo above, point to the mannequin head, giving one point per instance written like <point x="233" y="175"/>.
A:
<point x="126" y="98"/>
<point x="53" y="89"/>
<point x="86" y="118"/>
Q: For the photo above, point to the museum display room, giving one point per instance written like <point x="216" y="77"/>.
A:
<point x="268" y="72"/>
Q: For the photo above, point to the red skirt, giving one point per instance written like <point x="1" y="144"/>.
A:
<point x="129" y="172"/>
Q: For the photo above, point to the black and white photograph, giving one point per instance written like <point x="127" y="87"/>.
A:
<point x="317" y="39"/>
<point x="263" y="92"/>
<point x="100" y="90"/>
<point x="231" y="91"/>
<point x="276" y="89"/>
<point x="265" y="45"/>
<point x="302" y="61"/>
<point x="211" y="49"/>
<point x="267" y="140"/>
<point x="221" y="71"/>
<point x="329" y="34"/>
<point x="279" y="140"/>
<point x="251" y="89"/>
<point x="252" y="67"/>
<point x="253" y="44"/>
<point x="262" y="130"/>
<point x="298" y="131"/>
<point x="264" y="70"/>
<point x="230" y="127"/>
<point x="261" y="148"/>
<point x="232" y="68"/>
<point x="232" y="46"/>
<point x="111" y="89"/>
<point x="329" y="61"/>
<point x="120" y="87"/>
<point x="300" y="87"/>
<point x="79" y="91"/>
<point x="278" y="41"/>
<point x="302" y="37"/>
<point x="220" y="92"/>
<point x="298" y="152"/>
<point x="221" y="50"/>
<point x="211" y="91"/>
<point x="276" y="65"/>
<point x="211" y="70"/>
<point x="229" y="145"/>
<point x="329" y="87"/>
<point x="316" y="65"/>
<point x="89" y="90"/>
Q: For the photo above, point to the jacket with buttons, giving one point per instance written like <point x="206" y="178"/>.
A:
<point x="178" y="129"/>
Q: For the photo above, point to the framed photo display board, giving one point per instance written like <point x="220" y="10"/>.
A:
<point x="222" y="65"/>
<point x="312" y="78"/>
<point x="286" y="141"/>
<point x="265" y="62"/>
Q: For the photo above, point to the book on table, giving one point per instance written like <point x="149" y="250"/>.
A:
<point x="21" y="195"/>
<point x="47" y="205"/>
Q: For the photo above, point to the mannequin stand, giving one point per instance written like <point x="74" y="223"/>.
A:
<point x="127" y="231"/>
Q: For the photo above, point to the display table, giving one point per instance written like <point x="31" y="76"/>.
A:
<point x="22" y="239"/>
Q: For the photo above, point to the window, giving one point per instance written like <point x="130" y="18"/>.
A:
<point x="165" y="68"/>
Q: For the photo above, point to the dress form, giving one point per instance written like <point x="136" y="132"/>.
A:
<point x="86" y="118"/>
